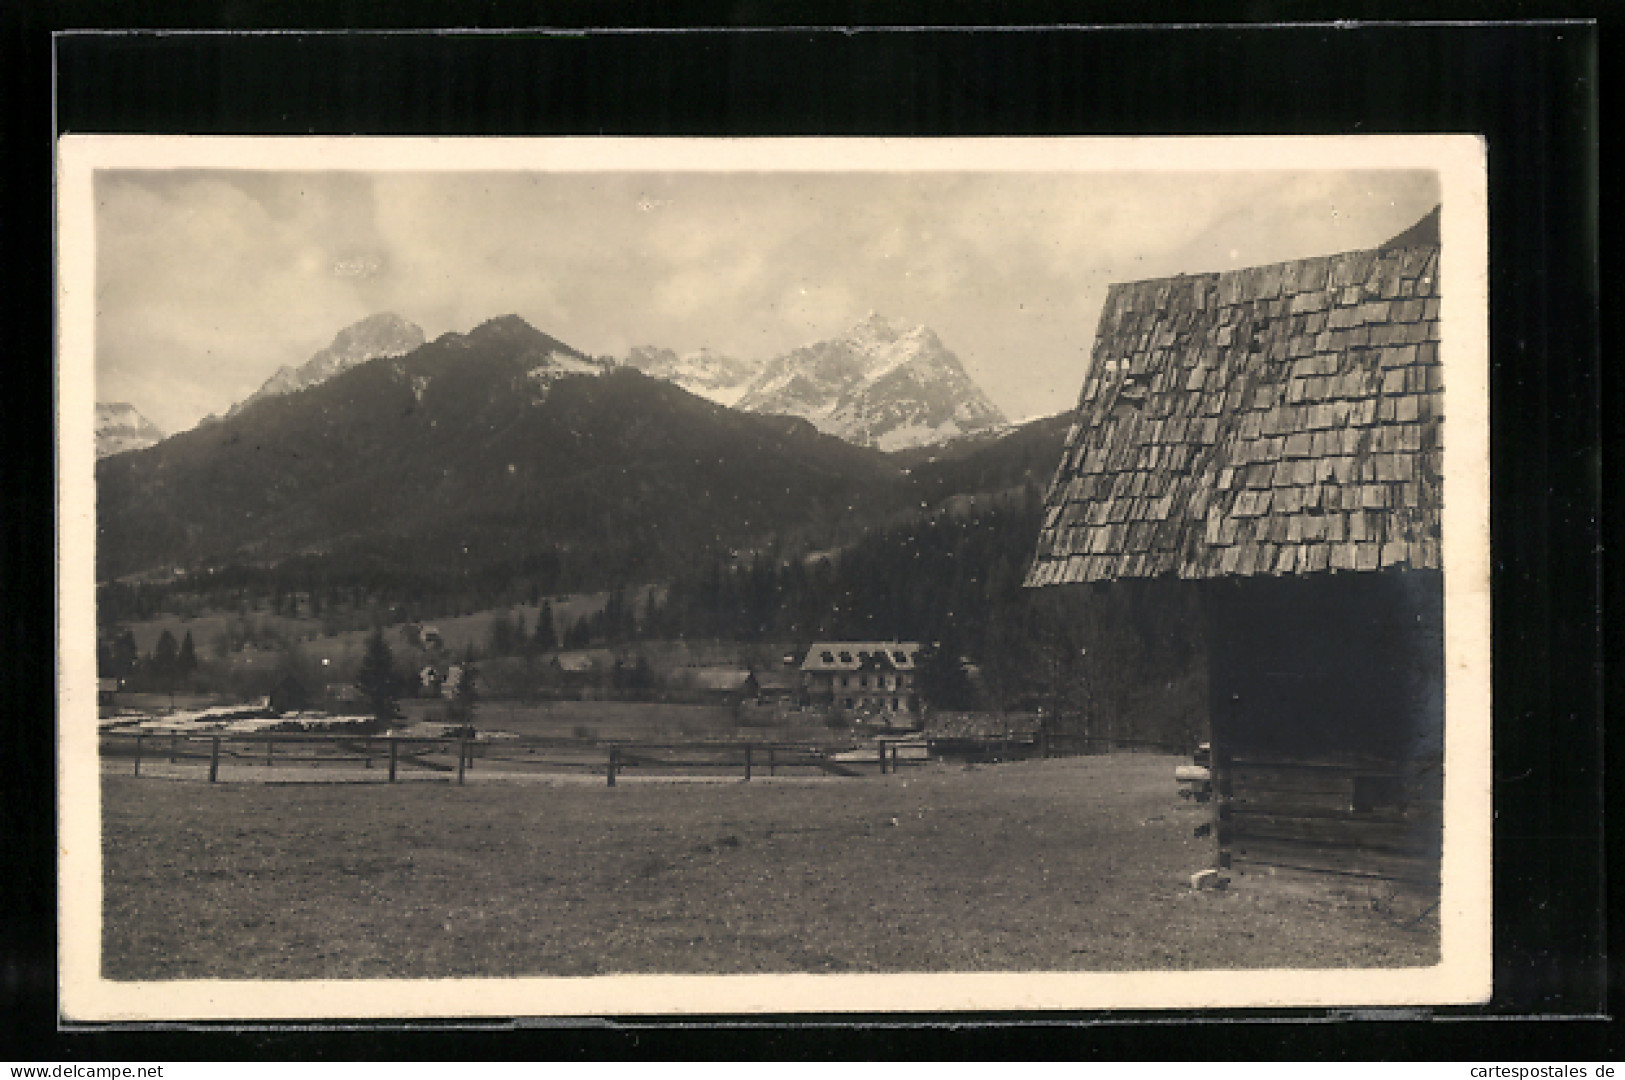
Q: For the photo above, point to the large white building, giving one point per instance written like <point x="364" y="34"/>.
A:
<point x="863" y="676"/>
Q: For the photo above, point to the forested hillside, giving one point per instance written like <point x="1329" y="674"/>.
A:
<point x="1125" y="661"/>
<point x="479" y="460"/>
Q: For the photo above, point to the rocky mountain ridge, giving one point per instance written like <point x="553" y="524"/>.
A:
<point x="880" y="385"/>
<point x="707" y="374"/>
<point x="383" y="334"/>
<point x="120" y="427"/>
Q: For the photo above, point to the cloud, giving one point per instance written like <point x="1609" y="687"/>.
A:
<point x="209" y="281"/>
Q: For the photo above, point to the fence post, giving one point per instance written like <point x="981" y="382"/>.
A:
<point x="614" y="759"/>
<point x="462" y="758"/>
<point x="174" y="745"/>
<point x="882" y="759"/>
<point x="747" y="761"/>
<point x="366" y="753"/>
<point x="770" y="761"/>
<point x="138" y="755"/>
<point x="270" y="744"/>
<point x="214" y="758"/>
<point x="392" y="748"/>
<point x="1220" y="766"/>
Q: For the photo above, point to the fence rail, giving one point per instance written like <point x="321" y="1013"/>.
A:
<point x="1019" y="745"/>
<point x="396" y="757"/>
<point x="399" y="757"/>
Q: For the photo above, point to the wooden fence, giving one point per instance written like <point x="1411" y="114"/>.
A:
<point x="393" y="757"/>
<point x="1022" y="745"/>
<point x="1355" y="819"/>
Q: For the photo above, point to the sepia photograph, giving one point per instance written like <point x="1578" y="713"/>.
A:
<point x="608" y="576"/>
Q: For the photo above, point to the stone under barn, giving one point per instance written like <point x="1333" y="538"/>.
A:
<point x="1272" y="435"/>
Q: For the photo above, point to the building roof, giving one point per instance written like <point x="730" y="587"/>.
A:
<point x="860" y="655"/>
<point x="715" y="678"/>
<point x="578" y="661"/>
<point x="1281" y="419"/>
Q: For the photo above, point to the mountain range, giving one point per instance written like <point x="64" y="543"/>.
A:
<point x="879" y="384"/>
<point x="480" y="454"/>
<point x="480" y="449"/>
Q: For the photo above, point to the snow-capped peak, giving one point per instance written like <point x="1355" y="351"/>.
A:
<point x="881" y="383"/>
<point x="120" y="427"/>
<point x="384" y="334"/>
<point x="703" y="372"/>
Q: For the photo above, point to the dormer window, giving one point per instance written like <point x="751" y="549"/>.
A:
<point x="846" y="657"/>
<point x="827" y="656"/>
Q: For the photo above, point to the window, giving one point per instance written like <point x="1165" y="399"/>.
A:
<point x="848" y="703"/>
<point x="863" y="681"/>
<point x="827" y="656"/>
<point x="893" y="704"/>
<point x="846" y="657"/>
<point x="900" y="656"/>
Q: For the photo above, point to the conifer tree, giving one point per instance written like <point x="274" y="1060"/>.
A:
<point x="164" y="657"/>
<point x="125" y="655"/>
<point x="376" y="679"/>
<point x="546" y="640"/>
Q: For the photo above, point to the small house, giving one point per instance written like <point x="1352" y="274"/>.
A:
<point x="778" y="687"/>
<point x="1274" y="437"/>
<point x="726" y="684"/>
<point x="106" y="691"/>
<point x="581" y="667"/>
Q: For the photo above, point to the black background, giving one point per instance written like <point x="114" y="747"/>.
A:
<point x="1529" y="89"/>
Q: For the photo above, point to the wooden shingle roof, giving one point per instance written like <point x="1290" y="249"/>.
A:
<point x="1280" y="419"/>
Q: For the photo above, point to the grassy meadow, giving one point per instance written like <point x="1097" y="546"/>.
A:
<point x="1066" y="864"/>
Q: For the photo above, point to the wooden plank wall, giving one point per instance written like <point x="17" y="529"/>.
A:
<point x="1370" y="820"/>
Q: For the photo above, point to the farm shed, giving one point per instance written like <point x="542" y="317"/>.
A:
<point x="579" y="666"/>
<point x="780" y="687"/>
<point x="719" y="682"/>
<point x="1273" y="436"/>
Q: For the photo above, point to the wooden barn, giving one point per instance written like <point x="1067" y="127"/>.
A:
<point x="1273" y="436"/>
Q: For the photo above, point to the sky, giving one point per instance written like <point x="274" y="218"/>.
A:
<point x="209" y="280"/>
